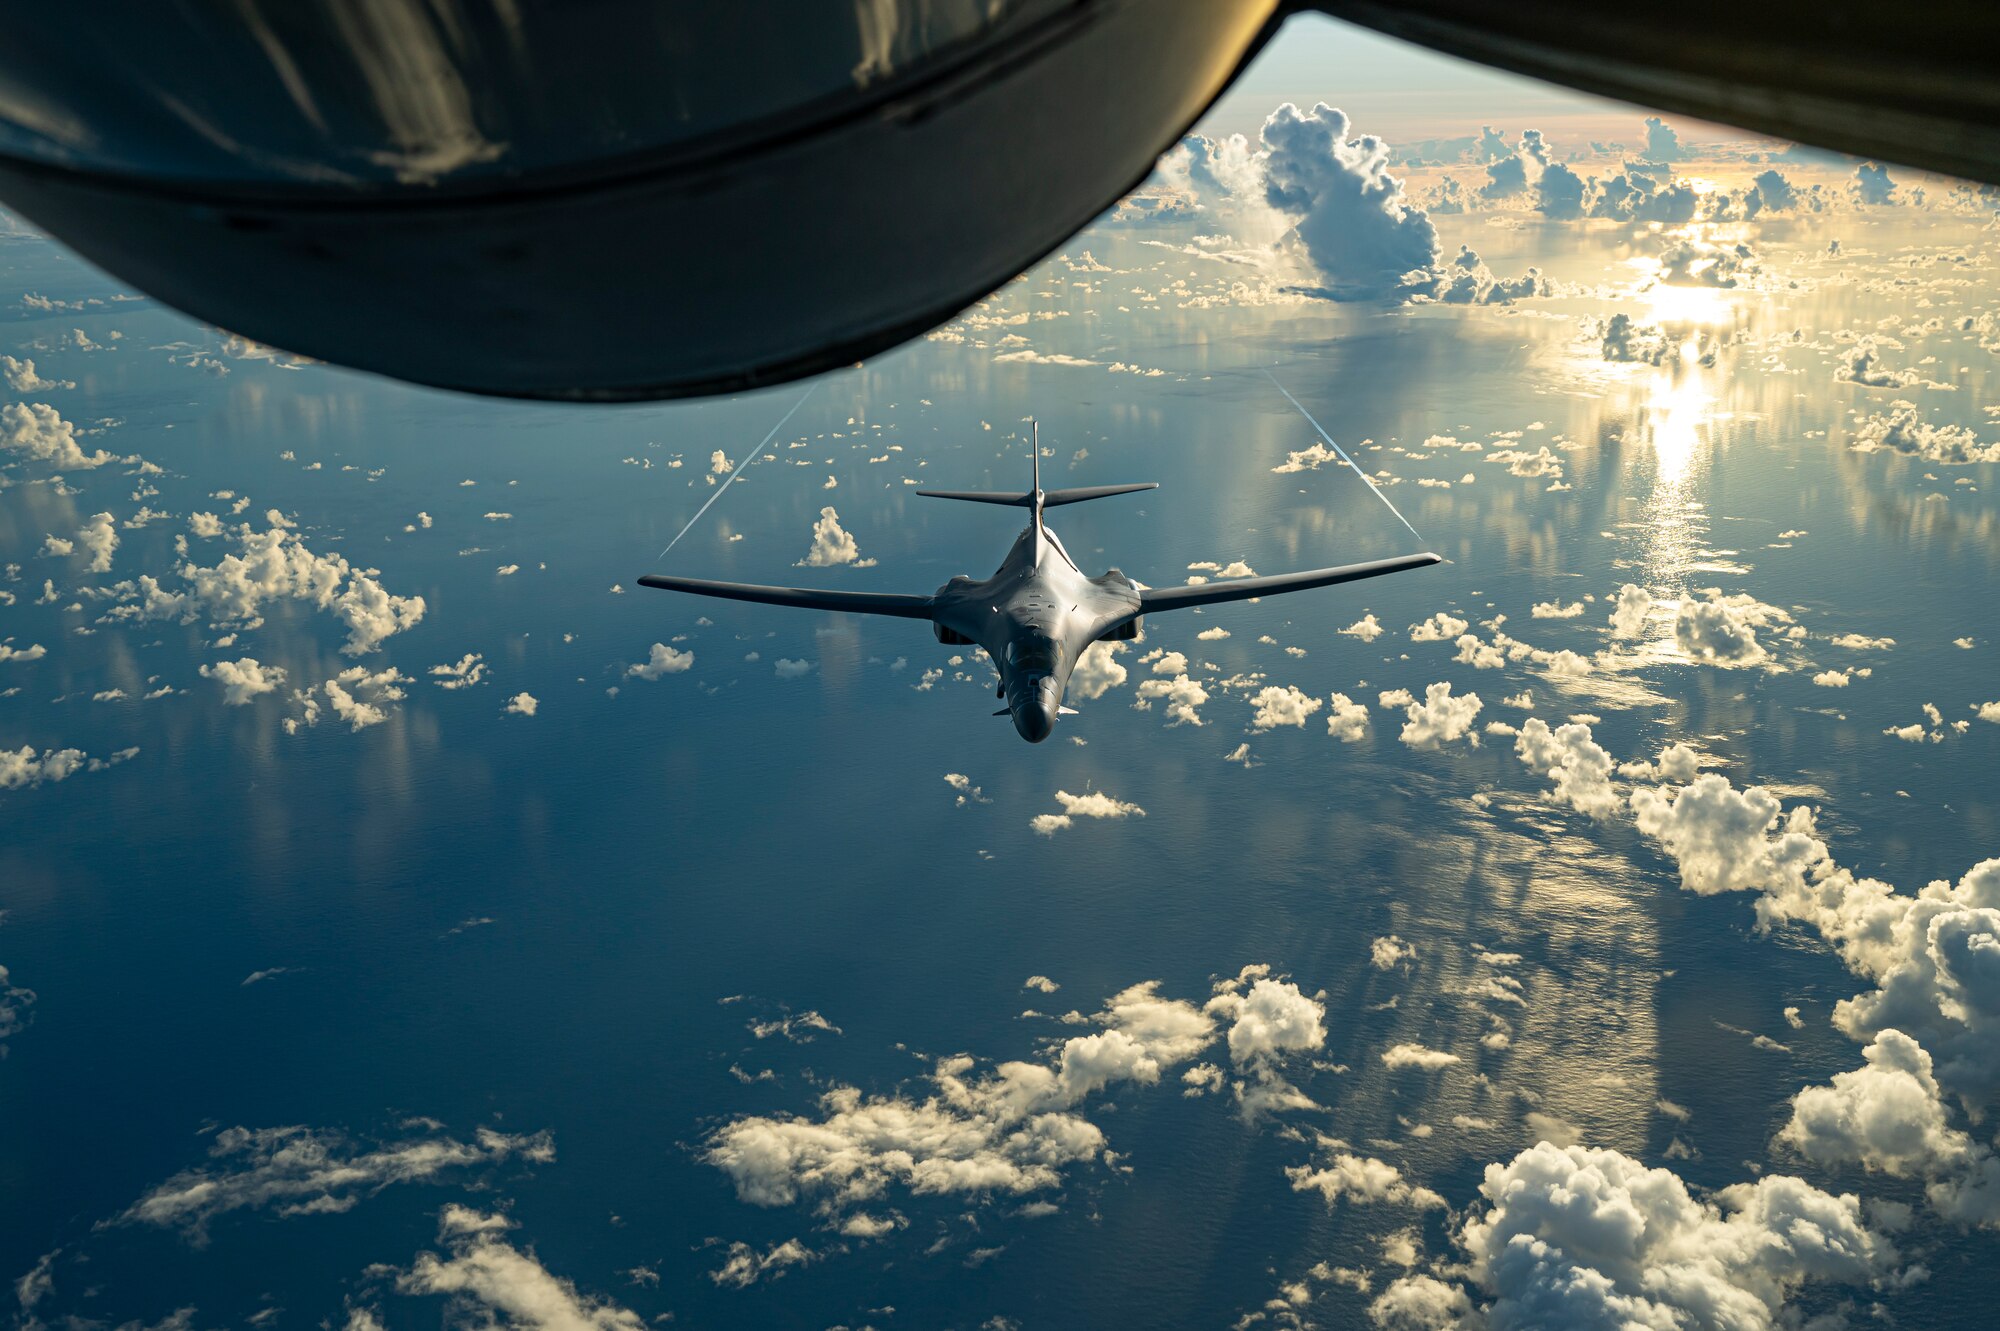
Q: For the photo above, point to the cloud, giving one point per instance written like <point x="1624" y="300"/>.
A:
<point x="22" y="378"/>
<point x="663" y="660"/>
<point x="23" y="767"/>
<point x="1357" y="227"/>
<point x="1269" y="1018"/>
<point x="1097" y="671"/>
<point x="1366" y="628"/>
<point x="502" y="1286"/>
<point x="744" y="1266"/>
<point x="1872" y="186"/>
<point x="1572" y="1236"/>
<point x="1689" y="263"/>
<point x="1283" y="706"/>
<point x="1903" y="429"/>
<point x="1628" y="616"/>
<point x="832" y="544"/>
<point x="464" y="673"/>
<point x="1014" y="1130"/>
<point x="1864" y="366"/>
<point x="1722" y="630"/>
<point x="1348" y="722"/>
<point x="1560" y="193"/>
<point x="1181" y="696"/>
<point x="15" y="1002"/>
<point x="243" y="679"/>
<point x="1307" y="459"/>
<point x="1361" y="1179"/>
<point x="33" y="652"/>
<point x="1408" y="1055"/>
<point x="38" y="432"/>
<point x="1468" y="281"/>
<point x="522" y="704"/>
<point x="1662" y="143"/>
<point x="787" y="668"/>
<point x="297" y="1171"/>
<point x="98" y="539"/>
<point x="1579" y="767"/>
<point x="1440" y="627"/>
<point x="1390" y="951"/>
<point x="1092" y="804"/>
<point x="1439" y="719"/>
<point x="274" y="565"/>
<point x="1623" y="341"/>
<point x="362" y="699"/>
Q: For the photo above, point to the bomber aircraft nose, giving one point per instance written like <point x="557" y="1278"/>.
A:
<point x="1035" y="711"/>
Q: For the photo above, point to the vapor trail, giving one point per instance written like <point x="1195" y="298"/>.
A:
<point x="756" y="453"/>
<point x="1343" y="453"/>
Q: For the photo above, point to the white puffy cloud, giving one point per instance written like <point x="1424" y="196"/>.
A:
<point x="23" y="767"/>
<point x="1579" y="767"/>
<point x="1903" y="429"/>
<point x="296" y="1171"/>
<point x="663" y="660"/>
<point x="498" y="1285"/>
<point x="1439" y="719"/>
<point x="1014" y="1130"/>
<point x="464" y="673"/>
<point x="37" y="431"/>
<point x="98" y="538"/>
<point x="1409" y="1055"/>
<point x="1092" y="804"/>
<point x="1097" y="670"/>
<point x="362" y="698"/>
<point x="1722" y="630"/>
<point x="1389" y="952"/>
<point x="1283" y="706"/>
<point x="274" y="565"/>
<point x="33" y="652"/>
<point x="1719" y="836"/>
<point x="1555" y="610"/>
<point x="1366" y="628"/>
<point x="1348" y="721"/>
<point x="1576" y="1237"/>
<point x="22" y="377"/>
<point x="1269" y="1018"/>
<point x="1886" y="1116"/>
<point x="243" y="679"/>
<point x="1361" y="1179"/>
<point x="832" y="544"/>
<point x="1628" y="615"/>
<point x="1357" y="227"/>
<point x="743" y="1266"/>
<point x="1440" y="627"/>
<point x="522" y="704"/>
<point x="1181" y="695"/>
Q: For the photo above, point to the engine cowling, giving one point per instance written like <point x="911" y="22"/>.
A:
<point x="1126" y="632"/>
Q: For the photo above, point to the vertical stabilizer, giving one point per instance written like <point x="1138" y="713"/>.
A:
<point x="1035" y="488"/>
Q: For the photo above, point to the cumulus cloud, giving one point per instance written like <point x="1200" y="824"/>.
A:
<point x="1864" y="366"/>
<point x="1439" y="719"/>
<point x="1440" y="627"/>
<point x="1283" y="706"/>
<point x="97" y="540"/>
<point x="22" y="378"/>
<point x="24" y="767"/>
<point x="464" y="673"/>
<point x="1722" y="630"/>
<point x="1357" y="227"/>
<point x="1628" y="614"/>
<point x="1902" y="429"/>
<point x="522" y="704"/>
<point x="243" y="679"/>
<point x="1091" y="804"/>
<point x="496" y="1285"/>
<point x="274" y="565"/>
<point x="297" y="1171"/>
<point x="1268" y="1019"/>
<point x="1572" y="1236"/>
<point x="1348" y="722"/>
<point x="1366" y="628"/>
<point x="1579" y="767"/>
<point x="1408" y="1055"/>
<point x="1097" y="671"/>
<point x="1621" y="340"/>
<point x="37" y="431"/>
<point x="743" y="1266"/>
<point x="1361" y="1179"/>
<point x="1013" y="1130"/>
<point x="832" y="544"/>
<point x="1180" y="695"/>
<point x="1872" y="186"/>
<point x="663" y="660"/>
<point x="361" y="697"/>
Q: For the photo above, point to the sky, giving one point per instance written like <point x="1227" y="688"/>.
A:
<point x="405" y="918"/>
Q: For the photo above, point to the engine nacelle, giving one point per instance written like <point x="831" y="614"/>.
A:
<point x="950" y="637"/>
<point x="1126" y="632"/>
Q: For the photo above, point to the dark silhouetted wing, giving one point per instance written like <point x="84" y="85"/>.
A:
<point x="852" y="603"/>
<point x="1155" y="599"/>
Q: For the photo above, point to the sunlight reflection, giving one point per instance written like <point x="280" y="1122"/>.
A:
<point x="1706" y="306"/>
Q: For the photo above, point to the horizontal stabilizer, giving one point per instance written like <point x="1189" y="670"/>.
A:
<point x="1154" y="599"/>
<point x="853" y="603"/>
<point x="1026" y="498"/>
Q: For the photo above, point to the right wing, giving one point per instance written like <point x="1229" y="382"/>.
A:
<point x="853" y="603"/>
<point x="1154" y="599"/>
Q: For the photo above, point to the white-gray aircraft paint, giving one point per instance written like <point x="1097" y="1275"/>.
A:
<point x="1038" y="612"/>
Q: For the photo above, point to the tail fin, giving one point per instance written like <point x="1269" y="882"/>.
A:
<point x="1038" y="498"/>
<point x="1035" y="452"/>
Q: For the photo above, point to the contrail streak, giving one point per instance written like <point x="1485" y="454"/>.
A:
<point x="1343" y="452"/>
<point x="758" y="452"/>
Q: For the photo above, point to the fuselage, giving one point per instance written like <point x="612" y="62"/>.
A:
<point x="1035" y="617"/>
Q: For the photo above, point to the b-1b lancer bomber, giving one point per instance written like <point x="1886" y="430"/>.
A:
<point x="1038" y="612"/>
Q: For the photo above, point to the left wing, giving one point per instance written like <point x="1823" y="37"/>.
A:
<point x="1154" y="599"/>
<point x="853" y="603"/>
